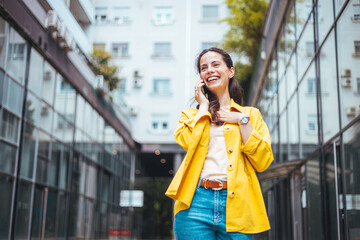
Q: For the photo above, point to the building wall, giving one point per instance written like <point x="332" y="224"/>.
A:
<point x="62" y="167"/>
<point x="311" y="103"/>
<point x="185" y="31"/>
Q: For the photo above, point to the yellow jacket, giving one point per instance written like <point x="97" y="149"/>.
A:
<point x="245" y="209"/>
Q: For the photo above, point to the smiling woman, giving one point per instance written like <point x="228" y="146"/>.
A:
<point x="217" y="193"/>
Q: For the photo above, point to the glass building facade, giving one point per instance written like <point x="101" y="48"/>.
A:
<point x="62" y="166"/>
<point x="309" y="95"/>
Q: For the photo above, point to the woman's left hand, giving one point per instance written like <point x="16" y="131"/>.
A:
<point x="230" y="117"/>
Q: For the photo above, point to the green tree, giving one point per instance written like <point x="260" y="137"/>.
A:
<point x="246" y="20"/>
<point x="100" y="64"/>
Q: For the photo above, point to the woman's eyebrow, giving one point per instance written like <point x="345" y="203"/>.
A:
<point x="204" y="64"/>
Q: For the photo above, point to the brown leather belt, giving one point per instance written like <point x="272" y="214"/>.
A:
<point x="213" y="184"/>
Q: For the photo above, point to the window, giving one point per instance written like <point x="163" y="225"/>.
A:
<point x="210" y="12"/>
<point x="16" y="50"/>
<point x="206" y="45"/>
<point x="120" y="49"/>
<point x="309" y="49"/>
<point x="356" y="12"/>
<point x="161" y="86"/>
<point x="162" y="49"/>
<point x="65" y="86"/>
<point x="122" y="15"/>
<point x="163" y="15"/>
<point x="100" y="14"/>
<point x="99" y="46"/>
<point x="358" y="85"/>
<point x="357" y="48"/>
<point x="311" y="86"/>
<point x="160" y="122"/>
<point x="312" y="122"/>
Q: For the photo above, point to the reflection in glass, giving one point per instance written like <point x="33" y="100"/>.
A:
<point x="313" y="196"/>
<point x="281" y="55"/>
<point x="16" y="56"/>
<point x="44" y="145"/>
<point x="349" y="71"/>
<point x="23" y="210"/>
<point x="352" y="179"/>
<point x="10" y="127"/>
<point x="290" y="33"/>
<point x="64" y="164"/>
<point x="325" y="18"/>
<point x="46" y="117"/>
<point x="307" y="109"/>
<point x="275" y="143"/>
<point x="3" y="33"/>
<point x="53" y="174"/>
<point x="329" y="94"/>
<point x="51" y="214"/>
<point x="41" y="168"/>
<point x="6" y="189"/>
<point x="7" y="157"/>
<point x="303" y="9"/>
<point x="35" y="72"/>
<point x="282" y="94"/>
<point x="293" y="128"/>
<point x="28" y="151"/>
<point x="13" y="94"/>
<point x="33" y="109"/>
<point x="2" y="76"/>
<point x="89" y="218"/>
<point x="91" y="182"/>
<point x="305" y="49"/>
<point x="291" y="78"/>
<point x="284" y="148"/>
<point x="48" y="83"/>
<point x="61" y="218"/>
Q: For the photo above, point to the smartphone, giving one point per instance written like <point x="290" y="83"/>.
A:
<point x="203" y="89"/>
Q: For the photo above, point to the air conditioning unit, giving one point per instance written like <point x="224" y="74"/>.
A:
<point x="101" y="85"/>
<point x="47" y="75"/>
<point x="347" y="73"/>
<point x="69" y="43"/>
<point x="61" y="31"/>
<point x="137" y="79"/>
<point x="44" y="110"/>
<point x="346" y="82"/>
<point x="134" y="111"/>
<point x="51" y="21"/>
<point x="351" y="111"/>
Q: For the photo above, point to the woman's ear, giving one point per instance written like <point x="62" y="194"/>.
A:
<point x="232" y="72"/>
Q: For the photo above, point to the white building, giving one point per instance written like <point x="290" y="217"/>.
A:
<point x="155" y="44"/>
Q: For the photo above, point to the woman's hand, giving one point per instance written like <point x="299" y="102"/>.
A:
<point x="230" y="117"/>
<point x="199" y="95"/>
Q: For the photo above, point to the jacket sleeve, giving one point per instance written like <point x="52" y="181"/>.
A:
<point x="258" y="146"/>
<point x="186" y="125"/>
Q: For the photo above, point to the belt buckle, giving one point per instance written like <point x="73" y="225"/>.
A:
<point x="219" y="188"/>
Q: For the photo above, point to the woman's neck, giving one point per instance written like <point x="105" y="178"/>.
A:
<point x="224" y="99"/>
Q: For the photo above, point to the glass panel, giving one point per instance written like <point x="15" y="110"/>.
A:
<point x="305" y="49"/>
<point x="75" y="217"/>
<point x="281" y="55"/>
<point x="23" y="210"/>
<point x="290" y="33"/>
<point x="6" y="189"/>
<point x="349" y="71"/>
<point x="41" y="168"/>
<point x="325" y="18"/>
<point x="36" y="72"/>
<point x="282" y="94"/>
<point x="53" y="176"/>
<point x="33" y="109"/>
<point x="13" y="95"/>
<point x="339" y="4"/>
<point x="308" y="116"/>
<point x="275" y="143"/>
<point x="313" y="196"/>
<point x="61" y="218"/>
<point x="48" y="83"/>
<point x="16" y="56"/>
<point x="162" y="86"/>
<point x="291" y="78"/>
<point x="89" y="218"/>
<point x="10" y="127"/>
<point x="303" y="9"/>
<point x="210" y="12"/>
<point x="91" y="182"/>
<point x="2" y="76"/>
<point x="329" y="94"/>
<point x="51" y="208"/>
<point x="28" y="151"/>
<point x="46" y="117"/>
<point x="293" y="129"/>
<point x="80" y="111"/>
<point x="352" y="179"/>
<point x="3" y="34"/>
<point x="283" y="138"/>
<point x="64" y="168"/>
<point x="37" y="215"/>
<point x="330" y="189"/>
<point x="105" y="187"/>
<point x="44" y="145"/>
<point x="7" y="157"/>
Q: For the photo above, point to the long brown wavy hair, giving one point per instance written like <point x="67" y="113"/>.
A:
<point x="235" y="90"/>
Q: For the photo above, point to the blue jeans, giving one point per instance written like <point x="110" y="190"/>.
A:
<point x="206" y="218"/>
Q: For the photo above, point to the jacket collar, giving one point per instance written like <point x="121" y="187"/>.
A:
<point x="234" y="105"/>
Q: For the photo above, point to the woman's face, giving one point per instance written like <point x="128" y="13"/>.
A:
<point x="215" y="72"/>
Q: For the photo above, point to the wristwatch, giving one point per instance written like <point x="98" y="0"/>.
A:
<point x="244" y="120"/>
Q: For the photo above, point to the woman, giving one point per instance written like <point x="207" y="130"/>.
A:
<point x="217" y="193"/>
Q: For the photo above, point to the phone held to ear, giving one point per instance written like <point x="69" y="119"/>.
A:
<point x="203" y="90"/>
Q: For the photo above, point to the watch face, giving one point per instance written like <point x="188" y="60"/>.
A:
<point x="244" y="120"/>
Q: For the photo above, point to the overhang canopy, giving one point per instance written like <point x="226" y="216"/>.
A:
<point x="280" y="170"/>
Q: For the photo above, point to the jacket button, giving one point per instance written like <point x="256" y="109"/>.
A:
<point x="230" y="150"/>
<point x="232" y="194"/>
<point x="230" y="167"/>
<point x="227" y="127"/>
